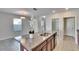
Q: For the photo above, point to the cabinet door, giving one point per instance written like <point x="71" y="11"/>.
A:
<point x="49" y="44"/>
<point x="44" y="48"/>
<point x="41" y="47"/>
<point x="21" y="47"/>
<point x="53" y="43"/>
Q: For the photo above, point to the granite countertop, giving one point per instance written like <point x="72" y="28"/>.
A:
<point x="31" y="43"/>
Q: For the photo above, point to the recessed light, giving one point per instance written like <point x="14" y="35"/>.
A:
<point x="44" y="16"/>
<point x="22" y="12"/>
<point x="22" y="17"/>
<point x="66" y="8"/>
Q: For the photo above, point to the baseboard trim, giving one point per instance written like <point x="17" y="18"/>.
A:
<point x="69" y="36"/>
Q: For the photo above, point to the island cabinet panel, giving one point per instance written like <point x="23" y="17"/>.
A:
<point x="44" y="48"/>
<point x="53" y="43"/>
<point x="22" y="48"/>
<point x="40" y="47"/>
<point x="78" y="36"/>
<point x="48" y="44"/>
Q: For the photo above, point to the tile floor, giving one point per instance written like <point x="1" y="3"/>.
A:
<point x="9" y="45"/>
<point x="68" y="44"/>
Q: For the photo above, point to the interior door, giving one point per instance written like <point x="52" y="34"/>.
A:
<point x="55" y="24"/>
<point x="70" y="26"/>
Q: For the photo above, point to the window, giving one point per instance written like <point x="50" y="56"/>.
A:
<point x="17" y="24"/>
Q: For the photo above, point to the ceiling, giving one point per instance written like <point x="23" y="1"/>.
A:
<point x="30" y="11"/>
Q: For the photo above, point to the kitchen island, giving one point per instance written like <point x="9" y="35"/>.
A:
<point x="38" y="42"/>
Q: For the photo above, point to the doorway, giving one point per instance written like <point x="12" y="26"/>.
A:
<point x="55" y="28"/>
<point x="55" y="24"/>
<point x="69" y="26"/>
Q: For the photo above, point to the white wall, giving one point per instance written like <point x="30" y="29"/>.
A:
<point x="61" y="16"/>
<point x="6" y="30"/>
<point x="48" y="23"/>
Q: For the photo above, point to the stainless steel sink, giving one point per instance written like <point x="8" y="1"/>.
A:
<point x="44" y="34"/>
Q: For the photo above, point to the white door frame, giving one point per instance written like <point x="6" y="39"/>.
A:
<point x="71" y="25"/>
<point x="75" y="26"/>
<point x="76" y="18"/>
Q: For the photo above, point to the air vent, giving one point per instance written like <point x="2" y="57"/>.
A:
<point x="35" y="9"/>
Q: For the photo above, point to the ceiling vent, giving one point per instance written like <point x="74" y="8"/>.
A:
<point x="35" y="9"/>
